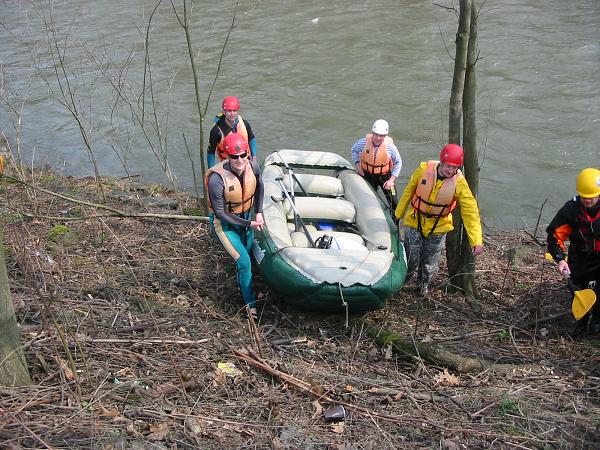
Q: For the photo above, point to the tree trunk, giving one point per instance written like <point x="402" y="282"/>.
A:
<point x="470" y="107"/>
<point x="13" y="367"/>
<point x="185" y="23"/>
<point x="461" y="265"/>
<point x="458" y="80"/>
<point x="467" y="261"/>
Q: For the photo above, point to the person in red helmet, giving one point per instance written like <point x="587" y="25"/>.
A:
<point x="434" y="190"/>
<point x="235" y="193"/>
<point x="228" y="121"/>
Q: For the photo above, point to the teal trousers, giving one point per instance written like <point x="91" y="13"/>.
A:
<point x="238" y="242"/>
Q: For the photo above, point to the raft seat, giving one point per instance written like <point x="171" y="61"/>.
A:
<point x="315" y="184"/>
<point x="321" y="209"/>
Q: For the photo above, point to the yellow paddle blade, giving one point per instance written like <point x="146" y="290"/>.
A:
<point x="583" y="302"/>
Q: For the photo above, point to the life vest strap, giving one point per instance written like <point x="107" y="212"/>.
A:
<point x="420" y="225"/>
<point x="231" y="206"/>
<point x="383" y="169"/>
<point x="445" y="207"/>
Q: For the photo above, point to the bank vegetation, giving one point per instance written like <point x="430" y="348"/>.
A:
<point x="133" y="333"/>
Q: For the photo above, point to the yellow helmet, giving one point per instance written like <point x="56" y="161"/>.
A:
<point x="588" y="183"/>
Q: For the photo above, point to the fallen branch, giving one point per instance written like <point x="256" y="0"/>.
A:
<point x="494" y="403"/>
<point x="114" y="214"/>
<point x="535" y="239"/>
<point x="517" y="326"/>
<point x="395" y="393"/>
<point x="168" y="388"/>
<point x="113" y="211"/>
<point x="429" y="352"/>
<point x="254" y="333"/>
<point x="145" y="341"/>
<point x="32" y="433"/>
<point x="286" y="341"/>
<point x="143" y="326"/>
<point x="253" y="359"/>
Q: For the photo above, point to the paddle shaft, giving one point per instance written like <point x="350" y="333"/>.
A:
<point x="567" y="276"/>
<point x="291" y="179"/>
<point x="292" y="176"/>
<point x="293" y="197"/>
<point x="296" y="213"/>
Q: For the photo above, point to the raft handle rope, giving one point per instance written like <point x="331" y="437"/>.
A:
<point x="344" y="303"/>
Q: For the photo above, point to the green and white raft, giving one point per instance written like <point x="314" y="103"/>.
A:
<point x="328" y="244"/>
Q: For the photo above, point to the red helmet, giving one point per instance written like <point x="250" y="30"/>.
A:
<point x="235" y="143"/>
<point x="230" y="103"/>
<point x="452" y="154"/>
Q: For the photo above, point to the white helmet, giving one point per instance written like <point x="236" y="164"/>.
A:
<point x="381" y="127"/>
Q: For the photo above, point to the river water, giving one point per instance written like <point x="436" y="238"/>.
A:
<point x="310" y="75"/>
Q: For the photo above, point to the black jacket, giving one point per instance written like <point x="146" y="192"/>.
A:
<point x="581" y="227"/>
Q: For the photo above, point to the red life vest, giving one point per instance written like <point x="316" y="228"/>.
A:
<point x="444" y="202"/>
<point x="240" y="128"/>
<point x="376" y="162"/>
<point x="239" y="197"/>
<point x="589" y="227"/>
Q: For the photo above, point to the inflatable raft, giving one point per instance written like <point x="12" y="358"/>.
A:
<point x="328" y="243"/>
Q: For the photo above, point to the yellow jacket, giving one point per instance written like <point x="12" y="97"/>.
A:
<point x="468" y="209"/>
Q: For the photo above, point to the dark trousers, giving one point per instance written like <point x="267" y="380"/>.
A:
<point x="377" y="181"/>
<point x="423" y="255"/>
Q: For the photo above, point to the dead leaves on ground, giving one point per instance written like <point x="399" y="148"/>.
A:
<point x="445" y="378"/>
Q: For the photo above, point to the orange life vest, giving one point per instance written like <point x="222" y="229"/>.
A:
<point x="444" y="202"/>
<point x="240" y="129"/>
<point x="239" y="197"/>
<point x="376" y="162"/>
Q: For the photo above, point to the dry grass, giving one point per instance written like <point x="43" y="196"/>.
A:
<point x="124" y="323"/>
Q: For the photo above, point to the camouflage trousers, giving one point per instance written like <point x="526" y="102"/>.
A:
<point x="423" y="255"/>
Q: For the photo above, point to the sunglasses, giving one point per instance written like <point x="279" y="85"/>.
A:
<point x="241" y="155"/>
